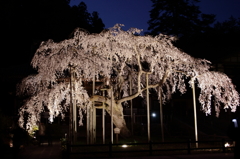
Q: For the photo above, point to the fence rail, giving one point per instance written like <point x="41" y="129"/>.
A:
<point x="149" y="148"/>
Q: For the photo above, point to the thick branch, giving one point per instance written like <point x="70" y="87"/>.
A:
<point x="98" y="98"/>
<point x="141" y="90"/>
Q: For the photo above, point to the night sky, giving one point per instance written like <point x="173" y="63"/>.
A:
<point x="135" y="13"/>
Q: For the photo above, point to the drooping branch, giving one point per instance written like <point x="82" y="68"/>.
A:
<point x="115" y="48"/>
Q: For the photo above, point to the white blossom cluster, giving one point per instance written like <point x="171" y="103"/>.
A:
<point x="217" y="86"/>
<point x="122" y="56"/>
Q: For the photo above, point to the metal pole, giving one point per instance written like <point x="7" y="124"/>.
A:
<point x="148" y="109"/>
<point x="195" y="113"/>
<point x="161" y="115"/>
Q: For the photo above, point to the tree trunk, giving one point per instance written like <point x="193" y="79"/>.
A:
<point x="118" y="119"/>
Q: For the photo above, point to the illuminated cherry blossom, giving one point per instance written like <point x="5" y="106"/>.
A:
<point x="117" y="56"/>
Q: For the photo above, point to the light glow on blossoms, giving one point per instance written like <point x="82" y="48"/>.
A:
<point x="118" y="58"/>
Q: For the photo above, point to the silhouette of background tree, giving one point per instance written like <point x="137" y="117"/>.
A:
<point x="26" y="23"/>
<point x="198" y="33"/>
<point x="178" y="17"/>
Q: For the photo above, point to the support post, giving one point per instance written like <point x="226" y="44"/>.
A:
<point x="74" y="108"/>
<point x="148" y="109"/>
<point x="94" y="126"/>
<point x="91" y="125"/>
<point x="103" y="120"/>
<point x="131" y="103"/>
<point x="161" y="115"/>
<point x="93" y="116"/>
<point x="70" y="133"/>
<point x="72" y="111"/>
<point x="111" y="114"/>
<point x="88" y="126"/>
<point x="195" y="113"/>
<point x="74" y="121"/>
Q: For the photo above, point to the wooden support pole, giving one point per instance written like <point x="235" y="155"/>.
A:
<point x="131" y="103"/>
<point x="103" y="120"/>
<point x="161" y="115"/>
<point x="93" y="128"/>
<point x="70" y="133"/>
<point x="88" y="125"/>
<point x="111" y="114"/>
<point x="148" y="109"/>
<point x="195" y="113"/>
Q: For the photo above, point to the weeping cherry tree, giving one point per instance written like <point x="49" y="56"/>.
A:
<point x="117" y="56"/>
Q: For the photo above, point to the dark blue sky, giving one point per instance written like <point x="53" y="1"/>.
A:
<point x="135" y="13"/>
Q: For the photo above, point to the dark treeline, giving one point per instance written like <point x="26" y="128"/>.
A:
<point x="198" y="34"/>
<point x="25" y="23"/>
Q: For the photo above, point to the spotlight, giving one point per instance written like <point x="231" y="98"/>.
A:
<point x="154" y="115"/>
<point x="235" y="123"/>
<point x="124" y="146"/>
<point x="227" y="145"/>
